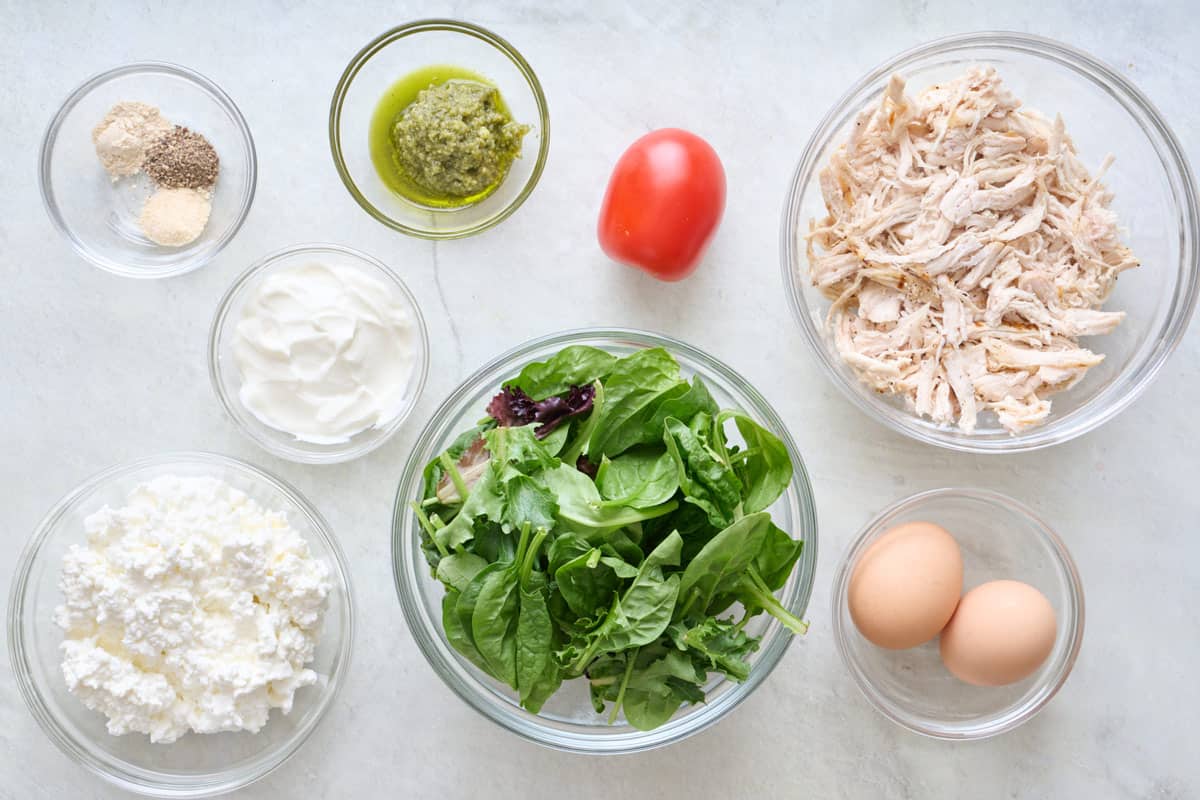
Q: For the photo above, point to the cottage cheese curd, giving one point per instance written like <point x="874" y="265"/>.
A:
<point x="191" y="607"/>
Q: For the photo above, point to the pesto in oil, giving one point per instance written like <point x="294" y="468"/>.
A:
<point x="443" y="137"/>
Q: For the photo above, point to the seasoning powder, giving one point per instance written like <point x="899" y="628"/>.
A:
<point x="183" y="159"/>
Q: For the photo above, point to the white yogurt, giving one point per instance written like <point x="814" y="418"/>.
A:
<point x="325" y="352"/>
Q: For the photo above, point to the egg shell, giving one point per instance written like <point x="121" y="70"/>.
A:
<point x="906" y="585"/>
<point x="1001" y="633"/>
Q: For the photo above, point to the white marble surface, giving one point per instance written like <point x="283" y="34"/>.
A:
<point x="96" y="369"/>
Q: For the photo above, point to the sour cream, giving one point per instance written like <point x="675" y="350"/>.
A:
<point x="325" y="352"/>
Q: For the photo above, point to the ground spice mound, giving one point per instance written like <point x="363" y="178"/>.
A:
<point x="183" y="159"/>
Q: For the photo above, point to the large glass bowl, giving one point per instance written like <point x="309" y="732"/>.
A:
<point x="1155" y="200"/>
<point x="195" y="765"/>
<point x="1000" y="539"/>
<point x="100" y="218"/>
<point x="397" y="53"/>
<point x="568" y="721"/>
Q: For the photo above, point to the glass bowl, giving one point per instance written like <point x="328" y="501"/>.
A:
<point x="227" y="379"/>
<point x="999" y="539"/>
<point x="1155" y="201"/>
<point x="568" y="721"/>
<point x="195" y="765"/>
<point x="100" y="218"/>
<point x="399" y="52"/>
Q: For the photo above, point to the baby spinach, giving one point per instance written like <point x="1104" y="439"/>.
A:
<point x="639" y="478"/>
<point x="614" y="546"/>
<point x="763" y="466"/>
<point x="706" y="480"/>
<point x="576" y="365"/>
<point x="633" y="389"/>
<point x="580" y="506"/>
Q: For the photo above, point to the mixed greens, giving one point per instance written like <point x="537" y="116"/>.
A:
<point x="598" y="523"/>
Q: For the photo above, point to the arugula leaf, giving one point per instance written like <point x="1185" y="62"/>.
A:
<point x="634" y="388"/>
<point x="705" y="479"/>
<point x="575" y="365"/>
<point x="639" y="478"/>
<point x="763" y="467"/>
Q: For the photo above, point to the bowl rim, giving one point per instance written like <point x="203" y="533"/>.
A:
<point x="50" y="138"/>
<point x="210" y="784"/>
<point x="1074" y="625"/>
<point x="1179" y="175"/>
<point x="359" y="60"/>
<point x="299" y="451"/>
<point x="404" y="566"/>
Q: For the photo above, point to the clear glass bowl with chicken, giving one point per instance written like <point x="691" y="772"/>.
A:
<point x="954" y="235"/>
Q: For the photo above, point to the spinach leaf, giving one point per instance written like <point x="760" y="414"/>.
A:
<point x="721" y="645"/>
<point x="576" y="365"/>
<point x="720" y="565"/>
<point x="457" y="569"/>
<point x="464" y="610"/>
<point x="580" y="505"/>
<point x="634" y="387"/>
<point x="588" y="581"/>
<point x="537" y="672"/>
<point x="763" y="468"/>
<point x="494" y="624"/>
<point x="648" y="684"/>
<point x="459" y="637"/>
<point x="686" y="405"/>
<point x="777" y="558"/>
<point x="640" y="614"/>
<point x="706" y="480"/>
<point x="564" y="548"/>
<point x="639" y="478"/>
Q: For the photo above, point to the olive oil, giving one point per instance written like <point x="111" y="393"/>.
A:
<point x="398" y="97"/>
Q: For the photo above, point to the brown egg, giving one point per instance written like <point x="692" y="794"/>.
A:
<point x="905" y="586"/>
<point x="1002" y="632"/>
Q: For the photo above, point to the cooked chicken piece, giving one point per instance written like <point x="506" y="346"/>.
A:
<point x="966" y="249"/>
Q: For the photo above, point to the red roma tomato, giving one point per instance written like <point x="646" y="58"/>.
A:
<point x="663" y="204"/>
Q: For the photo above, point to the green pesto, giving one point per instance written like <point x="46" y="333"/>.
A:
<point x="443" y="137"/>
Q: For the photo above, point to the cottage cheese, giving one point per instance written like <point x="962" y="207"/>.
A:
<point x="190" y="608"/>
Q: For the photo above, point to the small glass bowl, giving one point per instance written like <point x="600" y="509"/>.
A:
<point x="1155" y="200"/>
<point x="227" y="379"/>
<point x="195" y="765"/>
<point x="100" y="218"/>
<point x="399" y="52"/>
<point x="999" y="539"/>
<point x="568" y="721"/>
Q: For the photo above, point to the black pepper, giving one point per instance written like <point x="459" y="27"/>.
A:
<point x="183" y="159"/>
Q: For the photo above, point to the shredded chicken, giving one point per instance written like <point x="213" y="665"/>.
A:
<point x="966" y="249"/>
